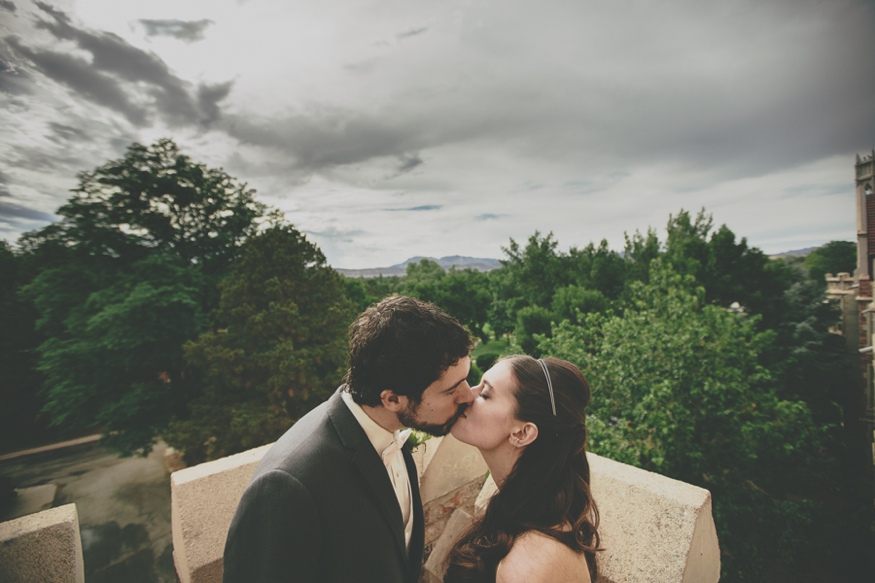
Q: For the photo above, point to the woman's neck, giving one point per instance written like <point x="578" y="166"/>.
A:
<point x="500" y="462"/>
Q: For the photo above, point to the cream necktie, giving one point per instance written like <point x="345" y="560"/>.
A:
<point x="398" y="441"/>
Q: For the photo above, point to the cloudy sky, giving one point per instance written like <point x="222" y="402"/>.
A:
<point x="392" y="128"/>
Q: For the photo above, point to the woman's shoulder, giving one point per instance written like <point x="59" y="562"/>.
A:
<point x="538" y="558"/>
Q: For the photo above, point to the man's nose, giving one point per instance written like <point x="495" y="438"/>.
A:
<point x="465" y="394"/>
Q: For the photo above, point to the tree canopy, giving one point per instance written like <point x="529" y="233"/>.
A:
<point x="124" y="279"/>
<point x="680" y="389"/>
<point x="277" y="350"/>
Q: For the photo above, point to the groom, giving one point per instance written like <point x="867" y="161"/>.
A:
<point x="336" y="498"/>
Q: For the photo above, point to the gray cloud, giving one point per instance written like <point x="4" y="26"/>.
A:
<point x="325" y="137"/>
<point x="718" y="88"/>
<point x="8" y="5"/>
<point x="338" y="235"/>
<point x="488" y="217"/>
<point x="208" y="98"/>
<point x="117" y="71"/>
<point x="13" y="80"/>
<point x="82" y="78"/>
<point x="4" y="180"/>
<point x="408" y="162"/>
<point x="12" y="212"/>
<point x="412" y="32"/>
<point x="67" y="133"/>
<point x="185" y="30"/>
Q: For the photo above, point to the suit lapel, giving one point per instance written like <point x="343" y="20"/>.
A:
<point x="417" y="539"/>
<point x="373" y="472"/>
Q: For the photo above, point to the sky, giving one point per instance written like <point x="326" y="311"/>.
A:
<point x="386" y="129"/>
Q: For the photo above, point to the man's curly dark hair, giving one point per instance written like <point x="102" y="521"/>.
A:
<point x="404" y="345"/>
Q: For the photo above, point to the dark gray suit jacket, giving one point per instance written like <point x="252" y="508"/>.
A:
<point x="320" y="508"/>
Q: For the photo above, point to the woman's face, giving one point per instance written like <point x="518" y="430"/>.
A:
<point x="489" y="421"/>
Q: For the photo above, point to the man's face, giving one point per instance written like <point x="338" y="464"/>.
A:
<point x="442" y="402"/>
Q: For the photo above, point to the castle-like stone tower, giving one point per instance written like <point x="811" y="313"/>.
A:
<point x="854" y="294"/>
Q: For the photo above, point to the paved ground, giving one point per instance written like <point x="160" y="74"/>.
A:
<point x="123" y="506"/>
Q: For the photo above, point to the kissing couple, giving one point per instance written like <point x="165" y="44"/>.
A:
<point x="336" y="498"/>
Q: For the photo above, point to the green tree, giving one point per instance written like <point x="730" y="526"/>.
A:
<point x="462" y="293"/>
<point x="835" y="257"/>
<point x="119" y="362"/>
<point x="573" y="301"/>
<point x="156" y="199"/>
<point x="531" y="322"/>
<point x="19" y="380"/>
<point x="536" y="270"/>
<point x="278" y="348"/>
<point x="363" y="292"/>
<point x="528" y="277"/>
<point x="680" y="389"/>
<point x="597" y="268"/>
<point x="126" y="277"/>
<point x="638" y="252"/>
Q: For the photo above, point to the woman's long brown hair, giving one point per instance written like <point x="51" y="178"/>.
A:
<point x="548" y="489"/>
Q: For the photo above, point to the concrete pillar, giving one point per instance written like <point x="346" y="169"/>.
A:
<point x="45" y="546"/>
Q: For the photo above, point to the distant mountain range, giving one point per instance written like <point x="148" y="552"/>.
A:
<point x="805" y="251"/>
<point x="478" y="263"/>
<point x="457" y="261"/>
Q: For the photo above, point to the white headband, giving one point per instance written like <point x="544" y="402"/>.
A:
<point x="549" y="385"/>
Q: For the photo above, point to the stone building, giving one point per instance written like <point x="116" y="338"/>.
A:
<point x="854" y="294"/>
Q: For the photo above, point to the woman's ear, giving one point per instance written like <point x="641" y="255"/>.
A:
<point x="524" y="435"/>
<point x="392" y="402"/>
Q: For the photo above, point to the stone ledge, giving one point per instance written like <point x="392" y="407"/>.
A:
<point x="45" y="546"/>
<point x="653" y="528"/>
<point x="203" y="500"/>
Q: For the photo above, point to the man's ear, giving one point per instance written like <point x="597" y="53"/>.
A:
<point x="392" y="402"/>
<point x="524" y="435"/>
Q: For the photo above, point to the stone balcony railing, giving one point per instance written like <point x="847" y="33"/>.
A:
<point x="653" y="528"/>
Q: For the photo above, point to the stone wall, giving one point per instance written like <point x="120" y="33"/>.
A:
<point x="653" y="528"/>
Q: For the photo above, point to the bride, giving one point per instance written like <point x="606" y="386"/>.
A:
<point x="529" y="422"/>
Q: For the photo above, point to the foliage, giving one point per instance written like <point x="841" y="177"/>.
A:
<point x="155" y="200"/>
<point x="535" y="270"/>
<point x="597" y="268"/>
<point x="680" y="389"/>
<point x="362" y="292"/>
<point x="462" y="293"/>
<point x="729" y="271"/>
<point x="835" y="257"/>
<point x="278" y="348"/>
<point x="573" y="301"/>
<point x="638" y="252"/>
<point x="19" y="380"/>
<point x="125" y="278"/>
<point x="486" y="353"/>
<point x="119" y="362"/>
<point x="531" y="321"/>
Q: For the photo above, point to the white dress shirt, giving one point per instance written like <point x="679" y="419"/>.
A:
<point x="393" y="459"/>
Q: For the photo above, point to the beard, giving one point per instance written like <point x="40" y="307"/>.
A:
<point x="410" y="418"/>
